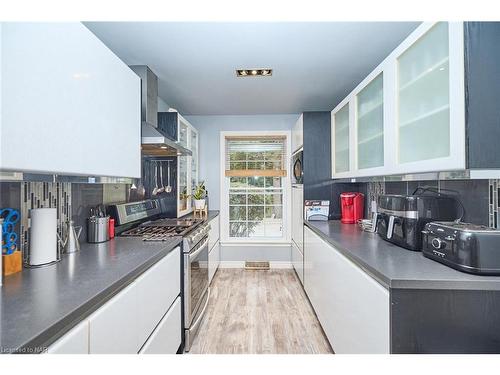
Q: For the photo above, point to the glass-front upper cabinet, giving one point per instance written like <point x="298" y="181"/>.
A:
<point x="423" y="116"/>
<point x="194" y="158"/>
<point x="183" y="132"/>
<point x="341" y="140"/>
<point x="370" y="124"/>
<point x="184" y="190"/>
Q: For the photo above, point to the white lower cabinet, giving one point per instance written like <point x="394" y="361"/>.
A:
<point x="352" y="307"/>
<point x="124" y="323"/>
<point x="146" y="314"/>
<point x="298" y="262"/>
<point x="166" y="338"/>
<point x="213" y="261"/>
<point x="113" y="329"/>
<point x="158" y="288"/>
<point x="213" y="248"/>
<point x="75" y="341"/>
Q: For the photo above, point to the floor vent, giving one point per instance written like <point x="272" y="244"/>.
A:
<point x="256" y="265"/>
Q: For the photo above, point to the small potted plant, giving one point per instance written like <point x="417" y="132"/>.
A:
<point x="199" y="195"/>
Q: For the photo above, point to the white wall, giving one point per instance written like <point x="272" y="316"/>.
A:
<point x="209" y="128"/>
<point x="162" y="106"/>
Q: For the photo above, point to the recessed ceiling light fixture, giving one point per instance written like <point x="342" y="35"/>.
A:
<point x="254" y="72"/>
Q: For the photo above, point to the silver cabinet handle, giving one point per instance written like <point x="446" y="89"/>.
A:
<point x="199" y="250"/>
<point x="200" y="317"/>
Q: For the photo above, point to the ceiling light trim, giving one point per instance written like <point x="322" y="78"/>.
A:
<point x="254" y="72"/>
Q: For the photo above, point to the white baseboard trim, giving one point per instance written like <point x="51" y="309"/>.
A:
<point x="241" y="264"/>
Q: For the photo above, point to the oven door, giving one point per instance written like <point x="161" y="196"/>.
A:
<point x="195" y="279"/>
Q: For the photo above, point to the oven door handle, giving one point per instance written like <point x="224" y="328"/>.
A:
<point x="202" y="313"/>
<point x="199" y="250"/>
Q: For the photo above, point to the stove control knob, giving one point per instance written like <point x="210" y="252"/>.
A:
<point x="437" y="243"/>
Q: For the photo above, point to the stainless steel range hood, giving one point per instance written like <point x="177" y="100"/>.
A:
<point x="154" y="142"/>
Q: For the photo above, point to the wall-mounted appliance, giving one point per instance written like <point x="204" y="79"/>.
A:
<point x="154" y="141"/>
<point x="298" y="167"/>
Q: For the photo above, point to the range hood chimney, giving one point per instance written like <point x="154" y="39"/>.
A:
<point x="154" y="142"/>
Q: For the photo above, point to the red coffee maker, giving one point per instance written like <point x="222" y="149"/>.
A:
<point x="352" y="205"/>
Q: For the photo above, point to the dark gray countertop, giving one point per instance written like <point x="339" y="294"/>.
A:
<point x="211" y="214"/>
<point x="37" y="306"/>
<point x="393" y="266"/>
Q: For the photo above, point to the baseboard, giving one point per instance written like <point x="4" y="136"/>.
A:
<point x="241" y="264"/>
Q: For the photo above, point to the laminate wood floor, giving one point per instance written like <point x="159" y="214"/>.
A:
<point x="255" y="311"/>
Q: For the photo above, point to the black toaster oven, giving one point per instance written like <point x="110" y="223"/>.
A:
<point x="466" y="247"/>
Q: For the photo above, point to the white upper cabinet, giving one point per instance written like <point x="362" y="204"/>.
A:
<point x="430" y="100"/>
<point x="298" y="134"/>
<point x="69" y="105"/>
<point x="408" y="115"/>
<point x="341" y="139"/>
<point x="370" y="125"/>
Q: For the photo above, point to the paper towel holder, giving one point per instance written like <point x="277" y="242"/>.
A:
<point x="27" y="261"/>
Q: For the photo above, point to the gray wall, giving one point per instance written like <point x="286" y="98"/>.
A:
<point x="209" y="128"/>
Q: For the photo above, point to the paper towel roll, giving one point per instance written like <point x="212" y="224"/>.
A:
<point x="43" y="236"/>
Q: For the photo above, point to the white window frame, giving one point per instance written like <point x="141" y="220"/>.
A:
<point x="224" y="191"/>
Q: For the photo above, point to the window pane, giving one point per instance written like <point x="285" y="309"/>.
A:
<point x="256" y="165"/>
<point x="274" y="212"/>
<point x="237" y="199"/>
<point x="237" y="213"/>
<point x="273" y="199"/>
<point x="238" y="230"/>
<point x="255" y="212"/>
<point x="238" y="182"/>
<point x="256" y="181"/>
<point x="273" y="182"/>
<point x="255" y="199"/>
<point x="239" y="165"/>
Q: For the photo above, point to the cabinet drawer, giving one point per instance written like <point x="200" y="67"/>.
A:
<point x="124" y="323"/>
<point x="113" y="328"/>
<point x="213" y="235"/>
<point x="75" y="341"/>
<point x="157" y="290"/>
<point x="298" y="262"/>
<point x="213" y="261"/>
<point x="166" y="338"/>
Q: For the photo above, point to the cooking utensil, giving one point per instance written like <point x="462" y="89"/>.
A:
<point x="161" y="189"/>
<point x="168" y="188"/>
<point x="70" y="244"/>
<point x="155" y="190"/>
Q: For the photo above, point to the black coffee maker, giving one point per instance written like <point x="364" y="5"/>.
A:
<point x="402" y="218"/>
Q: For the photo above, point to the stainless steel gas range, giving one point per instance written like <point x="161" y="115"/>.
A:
<point x="144" y="219"/>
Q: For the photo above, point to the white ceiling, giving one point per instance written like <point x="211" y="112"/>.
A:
<point x="315" y="65"/>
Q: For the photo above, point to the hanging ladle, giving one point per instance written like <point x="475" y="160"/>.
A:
<point x="168" y="188"/>
<point x="161" y="189"/>
<point x="155" y="190"/>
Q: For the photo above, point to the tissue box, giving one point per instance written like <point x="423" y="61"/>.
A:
<point x="317" y="210"/>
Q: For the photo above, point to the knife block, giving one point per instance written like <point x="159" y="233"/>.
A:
<point x="12" y="263"/>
